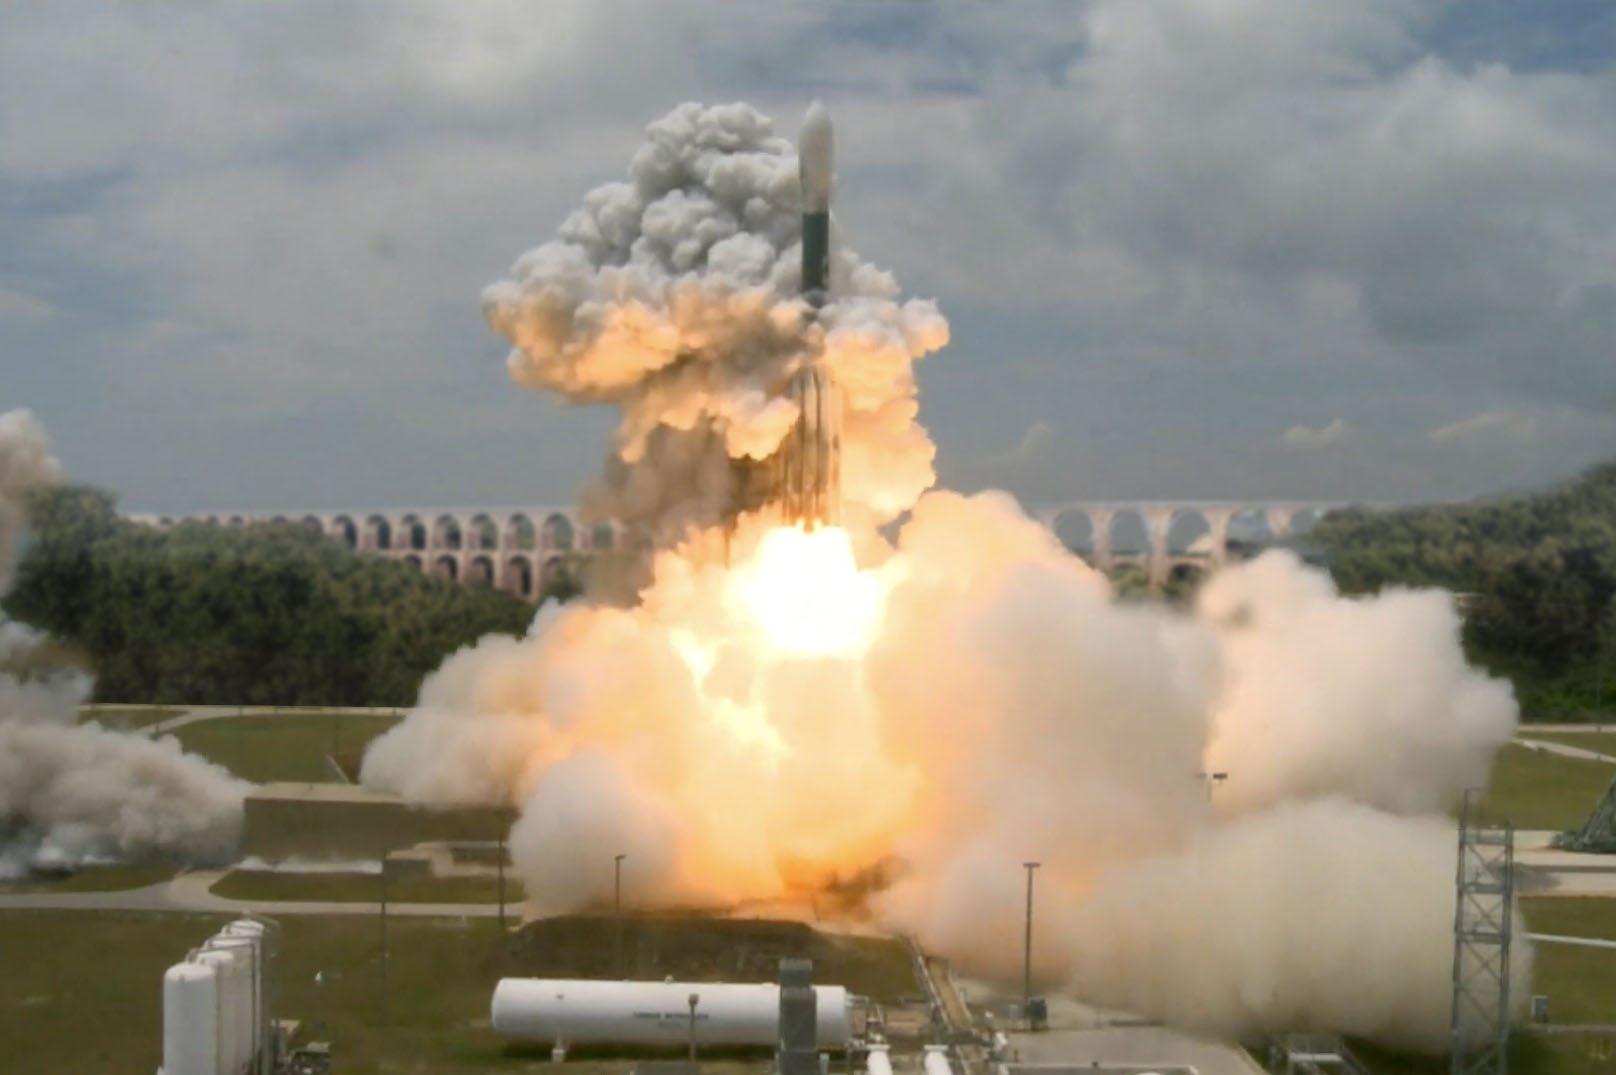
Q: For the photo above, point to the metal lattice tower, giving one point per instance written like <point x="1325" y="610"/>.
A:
<point x="1484" y="905"/>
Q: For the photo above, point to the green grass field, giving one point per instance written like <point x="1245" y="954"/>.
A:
<point x="1599" y="742"/>
<point x="362" y="888"/>
<point x="1539" y="790"/>
<point x="291" y="746"/>
<point x="94" y="879"/>
<point x="432" y="1017"/>
<point x="1579" y="982"/>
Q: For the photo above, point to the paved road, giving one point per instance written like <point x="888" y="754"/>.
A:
<point x="196" y="713"/>
<point x="1564" y="750"/>
<point x="1148" y="1046"/>
<point x="1583" y="942"/>
<point x="1574" y="729"/>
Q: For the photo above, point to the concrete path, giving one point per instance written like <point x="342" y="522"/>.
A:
<point x="1564" y="750"/>
<point x="1584" y="942"/>
<point x="1574" y="729"/>
<point x="194" y="714"/>
<point x="1143" y="1046"/>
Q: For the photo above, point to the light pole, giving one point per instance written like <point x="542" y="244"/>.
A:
<point x="1212" y="780"/>
<point x="1026" y="965"/>
<point x="617" y="914"/>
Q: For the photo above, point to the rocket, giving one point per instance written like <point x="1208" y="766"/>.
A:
<point x="801" y="482"/>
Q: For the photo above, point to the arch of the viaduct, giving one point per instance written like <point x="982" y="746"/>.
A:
<point x="1158" y="521"/>
<point x="515" y="549"/>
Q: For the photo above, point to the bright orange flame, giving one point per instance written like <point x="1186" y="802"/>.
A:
<point x="807" y="594"/>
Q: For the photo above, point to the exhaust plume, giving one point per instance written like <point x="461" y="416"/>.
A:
<point x="933" y="711"/>
<point x="71" y="793"/>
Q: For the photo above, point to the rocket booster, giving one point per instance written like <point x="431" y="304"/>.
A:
<point x="810" y="460"/>
<point x="816" y="174"/>
<point x="801" y="482"/>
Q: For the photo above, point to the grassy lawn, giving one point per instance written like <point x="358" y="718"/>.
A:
<point x="1529" y="1054"/>
<point x="432" y="1018"/>
<point x="125" y="717"/>
<point x="94" y="879"/>
<point x="1599" y="742"/>
<point x="362" y="888"/>
<point x="1539" y="790"/>
<point x="1579" y="982"/>
<point x="273" y="746"/>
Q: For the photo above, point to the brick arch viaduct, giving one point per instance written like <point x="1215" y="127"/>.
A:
<point x="517" y="549"/>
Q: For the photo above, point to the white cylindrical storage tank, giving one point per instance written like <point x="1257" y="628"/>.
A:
<point x="936" y="1061"/>
<point x="257" y="1027"/>
<point x="241" y="993"/>
<point x="225" y="1012"/>
<point x="190" y="1020"/>
<point x="879" y="1061"/>
<point x="582" y="1012"/>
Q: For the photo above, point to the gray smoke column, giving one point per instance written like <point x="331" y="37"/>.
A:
<point x="939" y="709"/>
<point x="75" y="793"/>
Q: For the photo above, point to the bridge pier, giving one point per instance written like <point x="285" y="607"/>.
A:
<point x="1100" y="520"/>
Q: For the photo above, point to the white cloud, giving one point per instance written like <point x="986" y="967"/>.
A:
<point x="301" y="202"/>
<point x="1305" y="436"/>
<point x="1036" y="442"/>
<point x="1491" y="425"/>
<point x="20" y="304"/>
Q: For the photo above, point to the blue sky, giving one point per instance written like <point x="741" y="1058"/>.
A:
<point x="1219" y="248"/>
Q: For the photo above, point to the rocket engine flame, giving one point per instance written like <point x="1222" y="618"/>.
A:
<point x="804" y="590"/>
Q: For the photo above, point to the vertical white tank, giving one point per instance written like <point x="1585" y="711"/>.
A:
<point x="190" y="1020"/>
<point x="237" y="1012"/>
<point x="936" y="1061"/>
<point x="257" y="1034"/>
<point x="879" y="1061"/>
<point x="225" y="1016"/>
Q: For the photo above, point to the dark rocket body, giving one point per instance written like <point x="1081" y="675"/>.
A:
<point x="800" y="484"/>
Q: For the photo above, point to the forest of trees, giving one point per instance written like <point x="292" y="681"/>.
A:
<point x="1539" y="572"/>
<point x="267" y="614"/>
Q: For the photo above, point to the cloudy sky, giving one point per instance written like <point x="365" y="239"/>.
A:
<point x="1188" y="248"/>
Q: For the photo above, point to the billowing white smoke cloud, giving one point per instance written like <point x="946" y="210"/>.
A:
<point x="72" y="793"/>
<point x="995" y="704"/>
<point x="674" y="297"/>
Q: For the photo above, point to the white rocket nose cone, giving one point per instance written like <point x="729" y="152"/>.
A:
<point x="816" y="158"/>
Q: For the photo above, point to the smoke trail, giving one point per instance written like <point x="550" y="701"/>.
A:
<point x="69" y="793"/>
<point x="940" y="709"/>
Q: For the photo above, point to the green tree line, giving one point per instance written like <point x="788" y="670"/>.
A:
<point x="1538" y="572"/>
<point x="265" y="614"/>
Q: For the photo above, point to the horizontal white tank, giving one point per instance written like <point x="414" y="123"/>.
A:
<point x="584" y="1012"/>
<point x="190" y="1020"/>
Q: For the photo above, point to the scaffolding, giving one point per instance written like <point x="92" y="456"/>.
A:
<point x="1483" y="910"/>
